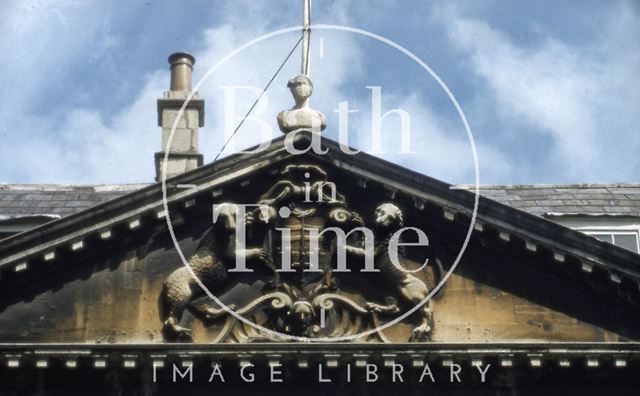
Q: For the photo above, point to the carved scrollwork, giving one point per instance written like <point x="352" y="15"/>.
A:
<point x="328" y="300"/>
<point x="297" y="302"/>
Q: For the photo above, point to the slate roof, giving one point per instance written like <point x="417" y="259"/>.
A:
<point x="55" y="201"/>
<point x="32" y="200"/>
<point x="572" y="199"/>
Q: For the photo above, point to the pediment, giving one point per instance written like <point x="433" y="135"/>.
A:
<point x="98" y="276"/>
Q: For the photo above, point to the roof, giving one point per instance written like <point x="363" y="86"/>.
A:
<point x="570" y="199"/>
<point x="543" y="242"/>
<point x="19" y="201"/>
<point x="27" y="200"/>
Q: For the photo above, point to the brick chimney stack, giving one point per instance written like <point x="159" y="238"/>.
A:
<point x="183" y="153"/>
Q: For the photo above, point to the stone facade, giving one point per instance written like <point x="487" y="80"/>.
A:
<point x="537" y="302"/>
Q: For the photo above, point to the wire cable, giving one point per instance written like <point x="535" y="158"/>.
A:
<point x="259" y="97"/>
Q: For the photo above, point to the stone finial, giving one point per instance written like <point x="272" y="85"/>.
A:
<point x="301" y="116"/>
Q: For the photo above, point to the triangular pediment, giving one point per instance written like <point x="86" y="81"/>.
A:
<point x="521" y="277"/>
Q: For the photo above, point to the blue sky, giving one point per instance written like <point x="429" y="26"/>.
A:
<point x="551" y="89"/>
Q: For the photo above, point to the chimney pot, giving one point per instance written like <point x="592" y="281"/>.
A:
<point x="181" y="70"/>
<point x="182" y="154"/>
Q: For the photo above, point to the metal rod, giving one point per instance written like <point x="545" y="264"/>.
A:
<point x="306" y="34"/>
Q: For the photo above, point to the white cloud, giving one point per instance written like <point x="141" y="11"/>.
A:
<point x="40" y="41"/>
<point x="88" y="146"/>
<point x="256" y="65"/>
<point x="582" y="97"/>
<point x="441" y="145"/>
<point x="91" y="146"/>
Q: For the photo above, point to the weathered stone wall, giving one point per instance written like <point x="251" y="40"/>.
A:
<point x="498" y="293"/>
<point x="121" y="305"/>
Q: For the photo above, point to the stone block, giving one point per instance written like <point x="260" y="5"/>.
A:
<point x="184" y="140"/>
<point x="169" y="117"/>
<point x="192" y="118"/>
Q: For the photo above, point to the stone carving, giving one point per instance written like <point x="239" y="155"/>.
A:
<point x="301" y="116"/>
<point x="214" y="256"/>
<point x="389" y="219"/>
<point x="293" y="313"/>
<point x="320" y="303"/>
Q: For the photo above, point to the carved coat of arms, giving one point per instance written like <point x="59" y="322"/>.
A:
<point x="303" y="232"/>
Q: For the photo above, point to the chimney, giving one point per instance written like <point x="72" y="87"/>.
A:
<point x="183" y="153"/>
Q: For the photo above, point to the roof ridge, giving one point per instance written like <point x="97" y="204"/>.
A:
<point x="72" y="187"/>
<point x="132" y="186"/>
<point x="551" y="185"/>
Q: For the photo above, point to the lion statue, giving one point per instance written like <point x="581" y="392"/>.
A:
<point x="388" y="219"/>
<point x="213" y="257"/>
